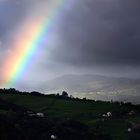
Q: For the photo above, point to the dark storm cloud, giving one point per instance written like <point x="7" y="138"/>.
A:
<point x="100" y="32"/>
<point x="87" y="37"/>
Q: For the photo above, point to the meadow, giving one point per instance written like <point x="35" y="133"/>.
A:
<point x="88" y="112"/>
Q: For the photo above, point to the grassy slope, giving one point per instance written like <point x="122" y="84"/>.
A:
<point x="61" y="107"/>
<point x="84" y="111"/>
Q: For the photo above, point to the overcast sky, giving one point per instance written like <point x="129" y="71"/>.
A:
<point x="88" y="37"/>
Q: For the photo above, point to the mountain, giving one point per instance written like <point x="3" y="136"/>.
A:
<point x="95" y="87"/>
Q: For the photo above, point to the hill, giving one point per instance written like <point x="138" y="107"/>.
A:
<point x="21" y="123"/>
<point x="96" y="87"/>
<point x="86" y="113"/>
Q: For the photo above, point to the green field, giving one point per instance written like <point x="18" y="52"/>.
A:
<point x="84" y="111"/>
<point x="61" y="108"/>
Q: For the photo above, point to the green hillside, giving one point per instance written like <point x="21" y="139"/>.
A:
<point x="86" y="111"/>
<point x="61" y="108"/>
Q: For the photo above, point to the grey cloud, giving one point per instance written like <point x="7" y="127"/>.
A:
<point x="11" y="13"/>
<point x="100" y="32"/>
<point x="93" y="36"/>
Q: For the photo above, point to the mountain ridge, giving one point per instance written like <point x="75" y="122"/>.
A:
<point x="94" y="85"/>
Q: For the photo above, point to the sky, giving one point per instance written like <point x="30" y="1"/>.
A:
<point x="85" y="37"/>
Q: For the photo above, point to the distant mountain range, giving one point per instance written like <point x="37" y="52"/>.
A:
<point x="96" y="87"/>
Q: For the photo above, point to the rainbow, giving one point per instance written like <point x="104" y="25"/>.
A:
<point x="31" y="35"/>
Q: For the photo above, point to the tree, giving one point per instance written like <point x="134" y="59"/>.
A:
<point x="64" y="94"/>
